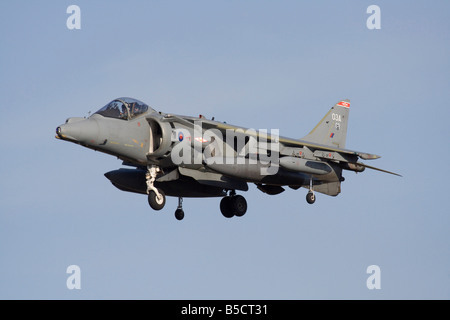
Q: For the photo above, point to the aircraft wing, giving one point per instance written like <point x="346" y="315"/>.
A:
<point x="209" y="124"/>
<point x="320" y="150"/>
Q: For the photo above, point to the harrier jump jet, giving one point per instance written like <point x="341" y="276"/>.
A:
<point x="183" y="156"/>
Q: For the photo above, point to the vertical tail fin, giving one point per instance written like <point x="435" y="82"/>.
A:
<point x="332" y="129"/>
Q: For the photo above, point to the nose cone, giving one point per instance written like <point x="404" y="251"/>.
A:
<point x="83" y="131"/>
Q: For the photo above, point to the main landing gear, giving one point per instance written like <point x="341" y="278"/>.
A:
<point x="233" y="205"/>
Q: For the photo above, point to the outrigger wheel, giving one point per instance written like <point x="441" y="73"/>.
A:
<point x="310" y="197"/>
<point x="179" y="213"/>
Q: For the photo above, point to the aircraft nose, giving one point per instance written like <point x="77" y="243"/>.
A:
<point x="81" y="130"/>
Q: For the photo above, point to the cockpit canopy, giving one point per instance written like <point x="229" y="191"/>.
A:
<point x="123" y="108"/>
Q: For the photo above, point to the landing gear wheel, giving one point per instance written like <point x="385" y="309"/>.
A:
<point x="310" y="198"/>
<point x="156" y="202"/>
<point x="226" y="207"/>
<point x="239" y="205"/>
<point x="179" y="214"/>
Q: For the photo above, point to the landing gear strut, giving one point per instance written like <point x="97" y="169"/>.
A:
<point x="233" y="205"/>
<point x="310" y="197"/>
<point x="179" y="213"/>
<point x="156" y="197"/>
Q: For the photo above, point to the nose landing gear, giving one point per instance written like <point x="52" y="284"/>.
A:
<point x="156" y="197"/>
<point x="156" y="200"/>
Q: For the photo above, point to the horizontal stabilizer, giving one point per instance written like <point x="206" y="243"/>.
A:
<point x="378" y="169"/>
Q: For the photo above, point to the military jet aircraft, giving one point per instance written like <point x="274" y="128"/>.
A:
<point x="184" y="156"/>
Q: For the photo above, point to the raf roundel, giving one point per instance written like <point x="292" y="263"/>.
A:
<point x="180" y="136"/>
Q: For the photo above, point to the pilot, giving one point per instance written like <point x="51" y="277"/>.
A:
<point x="132" y="109"/>
<point x="138" y="109"/>
<point x="123" y="112"/>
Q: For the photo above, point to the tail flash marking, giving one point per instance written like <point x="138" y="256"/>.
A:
<point x="344" y="104"/>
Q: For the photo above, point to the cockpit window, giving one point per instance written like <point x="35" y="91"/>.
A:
<point x="123" y="108"/>
<point x="115" y="109"/>
<point x="137" y="108"/>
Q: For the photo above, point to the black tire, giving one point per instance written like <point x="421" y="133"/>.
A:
<point x="154" y="202"/>
<point x="179" y="214"/>
<point x="226" y="207"/>
<point x="239" y="205"/>
<point x="310" y="198"/>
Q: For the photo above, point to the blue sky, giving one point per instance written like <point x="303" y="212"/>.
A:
<point x="260" y="64"/>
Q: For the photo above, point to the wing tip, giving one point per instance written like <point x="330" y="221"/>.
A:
<point x="368" y="156"/>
